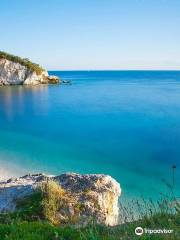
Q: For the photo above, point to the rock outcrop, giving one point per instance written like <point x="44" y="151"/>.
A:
<point x="53" y="79"/>
<point x="97" y="193"/>
<point x="14" y="73"/>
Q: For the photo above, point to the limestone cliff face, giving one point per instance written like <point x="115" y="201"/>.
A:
<point x="14" y="73"/>
<point x="97" y="193"/>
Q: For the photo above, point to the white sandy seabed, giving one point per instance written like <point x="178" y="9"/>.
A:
<point x="7" y="172"/>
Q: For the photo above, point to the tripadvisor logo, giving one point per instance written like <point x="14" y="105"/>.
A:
<point x="139" y="231"/>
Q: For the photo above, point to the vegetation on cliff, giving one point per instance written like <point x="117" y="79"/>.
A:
<point x="37" y="218"/>
<point x="23" y="61"/>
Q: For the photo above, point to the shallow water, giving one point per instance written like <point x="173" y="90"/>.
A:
<point x="122" y="123"/>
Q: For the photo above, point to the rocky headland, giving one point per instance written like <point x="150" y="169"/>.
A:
<point x="85" y="196"/>
<point x="21" y="71"/>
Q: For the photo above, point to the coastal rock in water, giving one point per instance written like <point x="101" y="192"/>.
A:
<point x="33" y="79"/>
<point x="68" y="82"/>
<point x="97" y="193"/>
<point x="53" y="79"/>
<point x="14" y="73"/>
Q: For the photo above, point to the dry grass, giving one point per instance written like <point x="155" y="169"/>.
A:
<point x="58" y="205"/>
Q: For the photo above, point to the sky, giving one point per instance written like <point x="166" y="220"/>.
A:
<point x="93" y="34"/>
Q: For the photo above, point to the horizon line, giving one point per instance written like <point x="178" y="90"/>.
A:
<point x="177" y="70"/>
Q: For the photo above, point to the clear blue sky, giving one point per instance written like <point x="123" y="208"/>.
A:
<point x="93" y="34"/>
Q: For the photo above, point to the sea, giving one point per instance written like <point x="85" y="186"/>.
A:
<point x="122" y="123"/>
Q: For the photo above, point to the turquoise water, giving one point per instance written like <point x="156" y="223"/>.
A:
<point x="122" y="123"/>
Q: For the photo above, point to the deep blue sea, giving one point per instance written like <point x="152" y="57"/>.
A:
<point x="122" y="123"/>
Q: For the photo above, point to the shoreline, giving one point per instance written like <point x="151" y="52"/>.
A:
<point x="7" y="173"/>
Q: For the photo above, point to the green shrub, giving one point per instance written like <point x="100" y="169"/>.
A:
<point x="23" y="61"/>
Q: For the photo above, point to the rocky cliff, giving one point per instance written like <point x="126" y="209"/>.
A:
<point x="97" y="195"/>
<point x="17" y="71"/>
